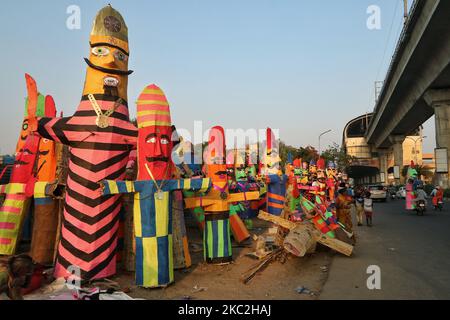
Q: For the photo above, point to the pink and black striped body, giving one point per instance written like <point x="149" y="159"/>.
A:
<point x="91" y="220"/>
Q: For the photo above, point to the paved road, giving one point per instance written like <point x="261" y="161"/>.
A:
<point x="413" y="253"/>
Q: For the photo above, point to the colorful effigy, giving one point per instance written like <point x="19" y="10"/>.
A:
<point x="275" y="179"/>
<point x="86" y="186"/>
<point x="216" y="234"/>
<point x="331" y="180"/>
<point x="21" y="187"/>
<point x="100" y="136"/>
<point x="242" y="184"/>
<point x="153" y="200"/>
<point x="411" y="182"/>
<point x="45" y="222"/>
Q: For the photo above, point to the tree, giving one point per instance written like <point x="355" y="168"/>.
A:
<point x="307" y="154"/>
<point x="337" y="154"/>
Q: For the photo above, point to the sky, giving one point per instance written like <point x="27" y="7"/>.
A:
<point x="300" y="66"/>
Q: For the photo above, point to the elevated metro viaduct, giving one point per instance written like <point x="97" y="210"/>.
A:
<point x="416" y="87"/>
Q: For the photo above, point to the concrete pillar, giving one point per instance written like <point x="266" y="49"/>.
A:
<point x="397" y="148"/>
<point x="383" y="159"/>
<point x="439" y="100"/>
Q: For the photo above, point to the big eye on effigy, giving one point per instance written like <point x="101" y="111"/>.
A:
<point x="100" y="51"/>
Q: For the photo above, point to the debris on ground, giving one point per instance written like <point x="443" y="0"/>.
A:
<point x="304" y="290"/>
<point x="297" y="238"/>
<point x="197" y="289"/>
<point x="248" y="276"/>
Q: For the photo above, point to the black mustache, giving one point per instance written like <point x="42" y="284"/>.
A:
<point x="221" y="172"/>
<point x="20" y="162"/>
<point x="153" y="159"/>
<point x="106" y="70"/>
<point x="23" y="137"/>
<point x="26" y="150"/>
<point x="44" y="153"/>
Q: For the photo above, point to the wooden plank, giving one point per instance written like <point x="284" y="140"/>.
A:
<point x="277" y="220"/>
<point x="335" y="244"/>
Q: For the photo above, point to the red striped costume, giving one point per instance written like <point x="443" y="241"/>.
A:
<point x="91" y="221"/>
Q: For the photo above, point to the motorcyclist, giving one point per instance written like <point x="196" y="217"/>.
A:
<point x="437" y="194"/>
<point x="421" y="195"/>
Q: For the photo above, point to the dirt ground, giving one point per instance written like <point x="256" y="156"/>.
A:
<point x="210" y="282"/>
<point x="203" y="281"/>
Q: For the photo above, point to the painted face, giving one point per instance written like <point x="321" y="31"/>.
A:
<point x="240" y="174"/>
<point x="218" y="173"/>
<point x="154" y="152"/>
<point x="320" y="174"/>
<point x="215" y="156"/>
<point x="252" y="171"/>
<point x="34" y="106"/>
<point x="46" y="168"/>
<point x="107" y="71"/>
<point x="23" y="136"/>
<point x="46" y="160"/>
<point x="272" y="162"/>
<point x="312" y="168"/>
<point x="25" y="160"/>
<point x="412" y="173"/>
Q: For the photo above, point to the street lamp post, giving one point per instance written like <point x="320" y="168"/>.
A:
<point x="320" y="136"/>
<point x="415" y="145"/>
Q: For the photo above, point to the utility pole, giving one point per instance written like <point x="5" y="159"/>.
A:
<point x="405" y="5"/>
<point x="320" y="136"/>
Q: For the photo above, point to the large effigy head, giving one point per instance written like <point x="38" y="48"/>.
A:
<point x="108" y="60"/>
<point x="155" y="130"/>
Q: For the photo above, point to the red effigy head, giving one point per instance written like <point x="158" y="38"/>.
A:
<point x="215" y="155"/>
<point x="154" y="135"/>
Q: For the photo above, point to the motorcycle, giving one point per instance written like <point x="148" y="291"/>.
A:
<point x="439" y="205"/>
<point x="420" y="207"/>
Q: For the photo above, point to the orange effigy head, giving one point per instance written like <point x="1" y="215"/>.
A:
<point x="107" y="71"/>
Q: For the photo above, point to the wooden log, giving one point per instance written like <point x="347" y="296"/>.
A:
<point x="332" y="243"/>
<point x="277" y="220"/>
<point x="335" y="244"/>
<point x="181" y="255"/>
<point x="299" y="241"/>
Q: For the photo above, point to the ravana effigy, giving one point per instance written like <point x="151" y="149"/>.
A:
<point x="100" y="136"/>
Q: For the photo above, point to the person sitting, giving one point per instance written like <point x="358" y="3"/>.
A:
<point x="17" y="276"/>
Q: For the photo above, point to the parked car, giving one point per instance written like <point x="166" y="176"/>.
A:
<point x="401" y="193"/>
<point x="378" y="192"/>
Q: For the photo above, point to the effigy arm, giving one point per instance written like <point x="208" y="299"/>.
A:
<point x="198" y="185"/>
<point x="243" y="196"/>
<point x="109" y="187"/>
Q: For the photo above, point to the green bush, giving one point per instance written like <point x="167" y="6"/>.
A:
<point x="428" y="188"/>
<point x="447" y="193"/>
